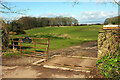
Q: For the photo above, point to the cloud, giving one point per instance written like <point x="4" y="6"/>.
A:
<point x="11" y="17"/>
<point x="15" y="17"/>
<point x="54" y="15"/>
<point x="95" y="16"/>
<point x="83" y="17"/>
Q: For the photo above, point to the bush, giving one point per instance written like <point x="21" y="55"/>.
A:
<point x="20" y="32"/>
<point x="109" y="65"/>
<point x="16" y="27"/>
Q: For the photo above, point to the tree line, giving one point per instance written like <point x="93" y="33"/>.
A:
<point x="25" y="23"/>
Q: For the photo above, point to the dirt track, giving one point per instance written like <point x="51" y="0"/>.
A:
<point x="88" y="49"/>
<point x="23" y="68"/>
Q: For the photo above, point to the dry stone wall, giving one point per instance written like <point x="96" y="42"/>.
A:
<point x="108" y="42"/>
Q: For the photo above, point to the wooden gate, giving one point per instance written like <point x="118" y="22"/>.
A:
<point x="29" y="46"/>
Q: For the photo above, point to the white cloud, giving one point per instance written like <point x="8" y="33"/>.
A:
<point x="15" y="17"/>
<point x="83" y="17"/>
<point x="55" y="14"/>
<point x="95" y="16"/>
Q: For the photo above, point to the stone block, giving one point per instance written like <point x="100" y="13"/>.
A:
<point x="108" y="43"/>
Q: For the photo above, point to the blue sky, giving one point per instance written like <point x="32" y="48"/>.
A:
<point x="59" y="0"/>
<point x="84" y="12"/>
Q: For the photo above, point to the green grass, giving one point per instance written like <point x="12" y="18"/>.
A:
<point x="61" y="37"/>
<point x="9" y="55"/>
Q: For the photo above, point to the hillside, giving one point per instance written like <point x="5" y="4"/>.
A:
<point x="61" y="37"/>
<point x="113" y="20"/>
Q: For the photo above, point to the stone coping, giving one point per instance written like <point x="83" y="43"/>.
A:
<point x="111" y="26"/>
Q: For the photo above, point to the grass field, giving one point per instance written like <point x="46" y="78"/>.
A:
<point x="61" y="37"/>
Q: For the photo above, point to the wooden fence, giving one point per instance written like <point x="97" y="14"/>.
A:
<point x="36" y="44"/>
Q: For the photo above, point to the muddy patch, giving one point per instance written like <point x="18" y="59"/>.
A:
<point x="88" y="49"/>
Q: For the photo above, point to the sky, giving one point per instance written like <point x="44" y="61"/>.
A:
<point x="84" y="12"/>
<point x="59" y="0"/>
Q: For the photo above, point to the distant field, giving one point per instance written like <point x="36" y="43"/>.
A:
<point x="61" y="37"/>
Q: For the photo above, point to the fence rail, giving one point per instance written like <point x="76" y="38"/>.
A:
<point x="34" y="44"/>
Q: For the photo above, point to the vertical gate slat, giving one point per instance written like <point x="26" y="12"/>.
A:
<point x="35" y="47"/>
<point x="47" y="55"/>
<point x="20" y="46"/>
<point x="13" y="44"/>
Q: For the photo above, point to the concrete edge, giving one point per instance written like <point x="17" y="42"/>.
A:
<point x="76" y="57"/>
<point x="63" y="68"/>
<point x="40" y="61"/>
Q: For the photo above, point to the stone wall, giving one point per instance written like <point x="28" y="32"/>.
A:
<point x="108" y="42"/>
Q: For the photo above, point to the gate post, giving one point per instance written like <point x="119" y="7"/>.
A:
<point x="0" y="54"/>
<point x="108" y="40"/>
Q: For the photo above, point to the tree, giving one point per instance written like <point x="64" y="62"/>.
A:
<point x="116" y="2"/>
<point x="28" y="22"/>
<point x="33" y="22"/>
<point x="77" y="1"/>
<point x="4" y="9"/>
<point x="9" y="9"/>
<point x="113" y="20"/>
<point x="15" y="26"/>
<point x="5" y="33"/>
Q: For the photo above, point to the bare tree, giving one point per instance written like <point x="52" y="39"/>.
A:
<point x="114" y="1"/>
<point x="3" y="26"/>
<point x="5" y="9"/>
<point x="9" y="9"/>
<point x="117" y="2"/>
